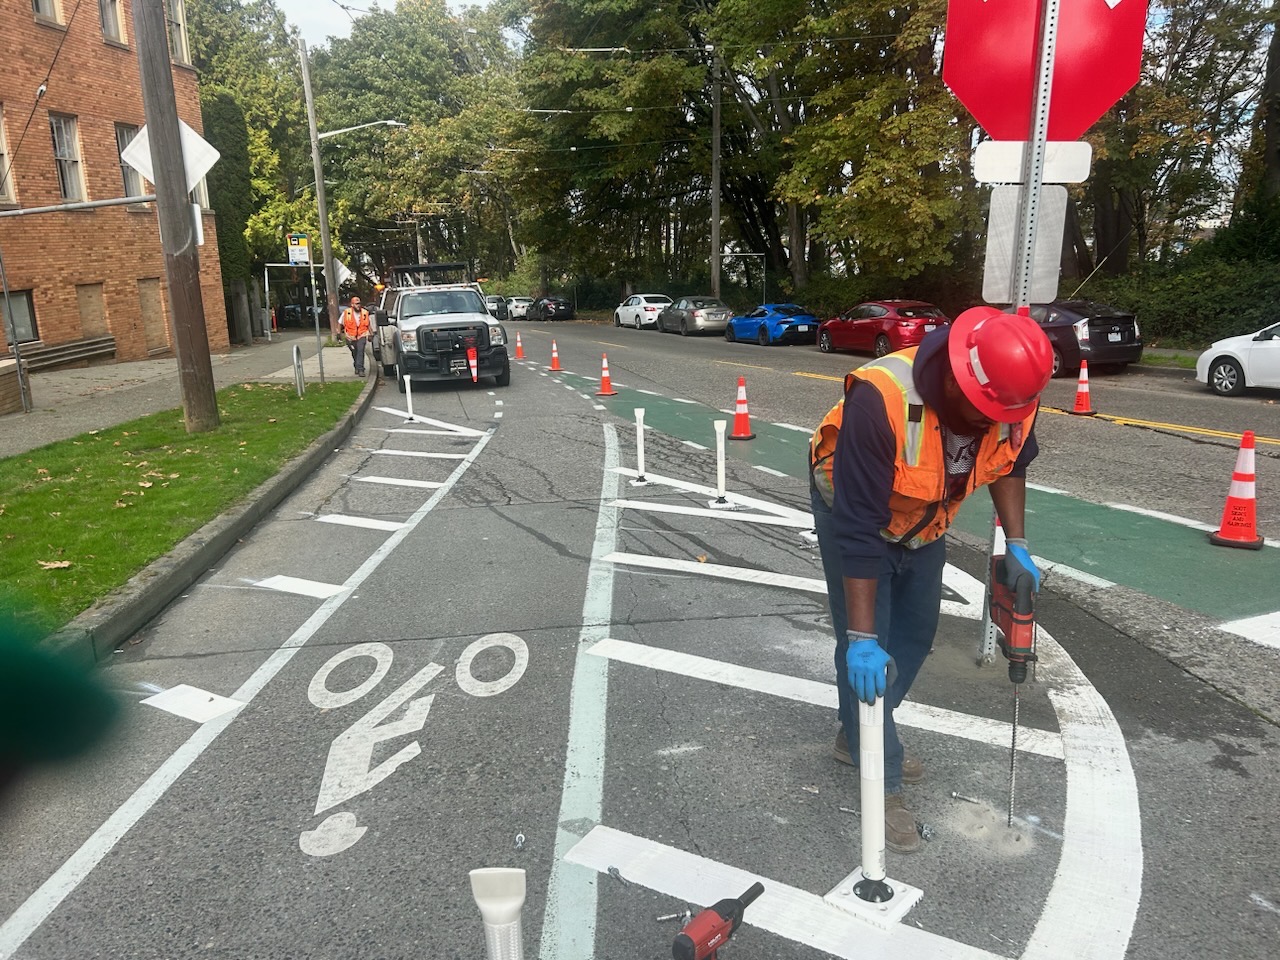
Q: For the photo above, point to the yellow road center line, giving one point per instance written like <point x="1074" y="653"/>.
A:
<point x="753" y="366"/>
<point x="816" y="376"/>
<point x="1179" y="427"/>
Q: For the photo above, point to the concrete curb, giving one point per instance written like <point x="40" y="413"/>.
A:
<point x="95" y="633"/>
<point x="1158" y="371"/>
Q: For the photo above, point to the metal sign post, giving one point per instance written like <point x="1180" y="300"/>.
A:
<point x="315" y="315"/>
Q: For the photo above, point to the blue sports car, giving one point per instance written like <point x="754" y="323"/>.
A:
<point x="772" y="323"/>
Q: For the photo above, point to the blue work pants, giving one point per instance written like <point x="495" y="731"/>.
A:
<point x="908" y="603"/>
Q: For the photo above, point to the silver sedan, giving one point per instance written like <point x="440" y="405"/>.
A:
<point x="694" y="315"/>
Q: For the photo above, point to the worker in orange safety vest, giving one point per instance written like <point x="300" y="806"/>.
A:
<point x="355" y="327"/>
<point x="916" y="433"/>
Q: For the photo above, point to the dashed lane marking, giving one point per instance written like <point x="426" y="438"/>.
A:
<point x="192" y="703"/>
<point x="766" y="518"/>
<point x="792" y="426"/>
<point x="364" y="523"/>
<point x="399" y="482"/>
<point x="752" y="366"/>
<point x="993" y="733"/>
<point x="1174" y="518"/>
<point x="695" y="446"/>
<point x="385" y="452"/>
<point x="771" y="472"/>
<point x="1263" y="629"/>
<point x="304" y="588"/>
<point x="816" y="376"/>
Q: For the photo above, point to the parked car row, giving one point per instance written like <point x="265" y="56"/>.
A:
<point x="540" y="308"/>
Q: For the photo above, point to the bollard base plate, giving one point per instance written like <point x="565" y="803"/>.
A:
<point x="640" y="482"/>
<point x="719" y="505"/>
<point x="882" y="915"/>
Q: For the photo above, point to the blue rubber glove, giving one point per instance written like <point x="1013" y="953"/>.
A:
<point x="869" y="666"/>
<point x="1017" y="561"/>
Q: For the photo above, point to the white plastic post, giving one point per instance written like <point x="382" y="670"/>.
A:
<point x="640" y="445"/>
<point x="499" y="893"/>
<point x="871" y="773"/>
<point x="720" y="426"/>
<point x="408" y="395"/>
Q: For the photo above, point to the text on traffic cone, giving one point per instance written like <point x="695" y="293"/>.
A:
<point x="1239" y="527"/>
<point x="741" y="419"/>
<point x="555" y="356"/>
<point x="606" y="385"/>
<point x="1083" y="407"/>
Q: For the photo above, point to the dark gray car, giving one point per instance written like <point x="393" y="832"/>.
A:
<point x="1085" y="330"/>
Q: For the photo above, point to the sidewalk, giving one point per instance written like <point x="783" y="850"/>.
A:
<point x="71" y="401"/>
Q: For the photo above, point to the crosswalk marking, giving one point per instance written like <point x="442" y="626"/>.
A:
<point x="304" y="588"/>
<point x="365" y="523"/>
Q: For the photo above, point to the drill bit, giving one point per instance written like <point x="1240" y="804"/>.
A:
<point x="1013" y="752"/>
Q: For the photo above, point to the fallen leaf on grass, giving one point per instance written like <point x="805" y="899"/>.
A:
<point x="271" y="419"/>
<point x="121" y="503"/>
<point x="54" y="564"/>
<point x="145" y="483"/>
<point x="42" y="471"/>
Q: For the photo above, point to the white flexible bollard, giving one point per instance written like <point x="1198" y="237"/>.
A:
<point x="721" y="502"/>
<point x="499" y="893"/>
<point x="872" y="886"/>
<point x="408" y="395"/>
<point x="640" y="477"/>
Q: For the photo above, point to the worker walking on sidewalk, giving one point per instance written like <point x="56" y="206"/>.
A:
<point x="916" y="433"/>
<point x="355" y="327"/>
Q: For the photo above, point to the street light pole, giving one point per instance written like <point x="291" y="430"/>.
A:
<point x="326" y="244"/>
<point x="715" y="173"/>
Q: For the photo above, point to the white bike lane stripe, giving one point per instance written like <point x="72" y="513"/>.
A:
<point x="569" y="922"/>
<point x="18" y="928"/>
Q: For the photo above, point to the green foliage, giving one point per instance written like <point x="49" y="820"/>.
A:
<point x="1199" y="302"/>
<point x="84" y="515"/>
<point x="230" y="189"/>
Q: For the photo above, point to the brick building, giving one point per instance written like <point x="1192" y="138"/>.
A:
<point x="93" y="278"/>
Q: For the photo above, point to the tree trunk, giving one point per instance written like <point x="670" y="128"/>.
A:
<point x="1270" y="110"/>
<point x="1112" y="226"/>
<point x="1077" y="263"/>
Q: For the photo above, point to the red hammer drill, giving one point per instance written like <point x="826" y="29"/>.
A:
<point x="711" y="929"/>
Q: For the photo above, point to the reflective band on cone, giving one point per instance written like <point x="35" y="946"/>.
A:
<point x="555" y="356"/>
<point x="1239" y="526"/>
<point x="606" y="385"/>
<point x="519" y="347"/>
<point x="741" y="419"/>
<point x="1083" y="407"/>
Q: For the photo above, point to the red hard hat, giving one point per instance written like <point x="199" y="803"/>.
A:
<point x="1001" y="361"/>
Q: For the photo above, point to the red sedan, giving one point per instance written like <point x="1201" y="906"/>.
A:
<point x="880" y="326"/>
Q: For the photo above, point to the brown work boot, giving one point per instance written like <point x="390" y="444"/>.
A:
<point x="912" y="767"/>
<point x="900" y="832"/>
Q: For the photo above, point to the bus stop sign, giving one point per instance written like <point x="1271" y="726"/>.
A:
<point x="989" y="62"/>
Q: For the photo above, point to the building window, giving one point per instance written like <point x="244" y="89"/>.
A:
<point x="23" y="326"/>
<point x="176" y="14"/>
<point x="6" y="175"/>
<point x="200" y="194"/>
<point x="112" y="22"/>
<point x="132" y="179"/>
<point x="66" y="153"/>
<point x="45" y="8"/>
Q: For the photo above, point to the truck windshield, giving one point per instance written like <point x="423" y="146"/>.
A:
<point x="431" y="302"/>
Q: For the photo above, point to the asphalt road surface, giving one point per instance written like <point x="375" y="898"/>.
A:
<point x="473" y="639"/>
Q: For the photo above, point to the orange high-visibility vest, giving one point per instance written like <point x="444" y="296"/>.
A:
<point x="355" y="328"/>
<point x="921" y="510"/>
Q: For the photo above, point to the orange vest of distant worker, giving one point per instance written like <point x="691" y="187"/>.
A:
<point x="921" y="509"/>
<point x="355" y="327"/>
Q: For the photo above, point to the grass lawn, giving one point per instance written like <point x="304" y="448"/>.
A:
<point x="79" y="517"/>
<point x="1184" y="362"/>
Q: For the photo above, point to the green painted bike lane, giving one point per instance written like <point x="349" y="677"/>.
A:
<point x="1157" y="557"/>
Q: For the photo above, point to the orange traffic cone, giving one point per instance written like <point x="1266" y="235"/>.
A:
<point x="1240" y="515"/>
<point x="519" y="347"/>
<point x="555" y="356"/>
<point x="606" y="385"/>
<point x="473" y="363"/>
<point x="741" y="419"/>
<point x="1083" y="407"/>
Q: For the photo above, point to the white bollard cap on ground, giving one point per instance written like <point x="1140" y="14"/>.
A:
<point x="499" y="893"/>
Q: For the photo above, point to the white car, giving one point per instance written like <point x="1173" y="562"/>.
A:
<point x="640" y="311"/>
<point x="518" y="307"/>
<point x="1249" y="360"/>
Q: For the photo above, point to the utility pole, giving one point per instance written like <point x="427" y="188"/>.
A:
<point x="326" y="244"/>
<point x="715" y="173"/>
<point x="177" y="229"/>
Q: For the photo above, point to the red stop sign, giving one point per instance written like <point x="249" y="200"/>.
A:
<point x="990" y="59"/>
